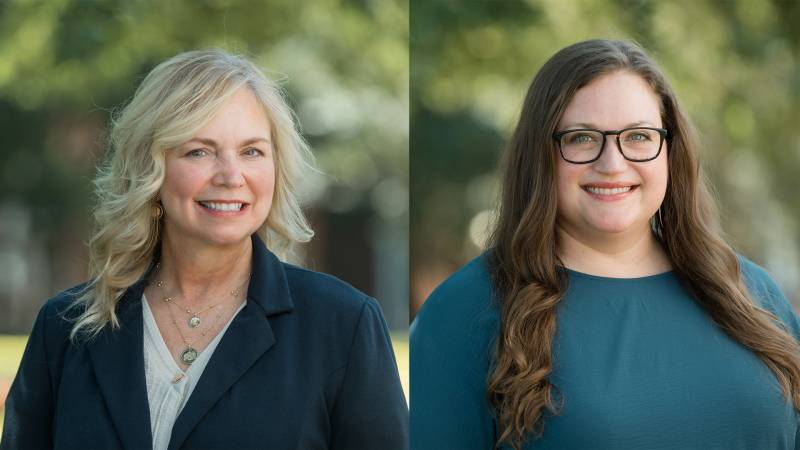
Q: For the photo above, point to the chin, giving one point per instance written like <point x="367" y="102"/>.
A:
<point x="611" y="225"/>
<point x="224" y="239"/>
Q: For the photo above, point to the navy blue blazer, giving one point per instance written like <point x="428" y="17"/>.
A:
<point x="307" y="364"/>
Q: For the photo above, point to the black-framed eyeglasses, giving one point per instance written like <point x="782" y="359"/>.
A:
<point x="585" y="145"/>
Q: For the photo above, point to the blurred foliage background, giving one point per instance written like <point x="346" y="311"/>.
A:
<point x="65" y="65"/>
<point x="735" y="66"/>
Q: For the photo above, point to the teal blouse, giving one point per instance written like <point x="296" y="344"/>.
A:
<point x="638" y="364"/>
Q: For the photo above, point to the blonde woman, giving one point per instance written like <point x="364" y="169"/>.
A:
<point x="191" y="332"/>
<point x="608" y="311"/>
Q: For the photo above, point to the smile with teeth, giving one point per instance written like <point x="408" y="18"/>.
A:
<point x="608" y="191"/>
<point x="222" y="206"/>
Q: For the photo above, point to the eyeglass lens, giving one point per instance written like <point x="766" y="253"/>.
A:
<point x="586" y="145"/>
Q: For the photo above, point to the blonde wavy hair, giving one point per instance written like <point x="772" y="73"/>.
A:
<point x="173" y="102"/>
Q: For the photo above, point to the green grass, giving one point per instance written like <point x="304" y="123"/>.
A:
<point x="401" y="352"/>
<point x="11" y="348"/>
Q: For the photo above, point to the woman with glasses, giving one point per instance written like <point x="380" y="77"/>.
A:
<point x="608" y="311"/>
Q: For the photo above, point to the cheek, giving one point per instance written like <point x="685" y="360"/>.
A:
<point x="655" y="180"/>
<point x="657" y="177"/>
<point x="181" y="181"/>
<point x="263" y="179"/>
<point x="567" y="186"/>
<point x="263" y="189"/>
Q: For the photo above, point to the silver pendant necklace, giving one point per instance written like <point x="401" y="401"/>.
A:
<point x="194" y="317"/>
<point x="189" y="353"/>
<point x="194" y="320"/>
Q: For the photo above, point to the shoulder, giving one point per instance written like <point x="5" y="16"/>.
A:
<point x="759" y="283"/>
<point x="329" y="305"/>
<point x="60" y="310"/>
<point x="767" y="294"/>
<point x="49" y="337"/>
<point x="340" y="316"/>
<point x="452" y="342"/>
<point x="325" y="291"/>
<point x="64" y="299"/>
<point x="464" y="295"/>
<point x="460" y="313"/>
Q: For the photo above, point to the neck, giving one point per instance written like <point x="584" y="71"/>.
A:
<point x="196" y="273"/>
<point x="622" y="255"/>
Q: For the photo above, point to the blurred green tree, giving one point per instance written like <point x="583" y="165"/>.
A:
<point x="66" y="65"/>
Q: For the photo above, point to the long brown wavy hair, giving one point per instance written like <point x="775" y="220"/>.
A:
<point x="524" y="259"/>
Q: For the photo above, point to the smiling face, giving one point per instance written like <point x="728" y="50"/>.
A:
<point x="218" y="186"/>
<point x="611" y="195"/>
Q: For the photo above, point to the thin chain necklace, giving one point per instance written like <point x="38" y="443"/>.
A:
<point x="190" y="354"/>
<point x="194" y="320"/>
<point x="194" y="317"/>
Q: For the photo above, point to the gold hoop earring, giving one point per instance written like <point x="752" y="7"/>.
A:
<point x="158" y="211"/>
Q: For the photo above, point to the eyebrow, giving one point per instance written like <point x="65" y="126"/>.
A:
<point x="212" y="143"/>
<point x="641" y="123"/>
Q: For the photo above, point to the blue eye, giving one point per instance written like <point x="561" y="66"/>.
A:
<point x="196" y="153"/>
<point x="252" y="151"/>
<point x="582" y="138"/>
<point x="640" y="136"/>
<point x="579" y="138"/>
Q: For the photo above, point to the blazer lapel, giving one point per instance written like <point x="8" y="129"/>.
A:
<point x="118" y="359"/>
<point x="248" y="337"/>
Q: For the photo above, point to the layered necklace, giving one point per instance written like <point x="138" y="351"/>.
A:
<point x="190" y="353"/>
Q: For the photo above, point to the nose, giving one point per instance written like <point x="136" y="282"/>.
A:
<point x="228" y="172"/>
<point x="611" y="160"/>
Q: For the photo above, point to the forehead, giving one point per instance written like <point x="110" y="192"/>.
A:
<point x="613" y="101"/>
<point x="241" y="114"/>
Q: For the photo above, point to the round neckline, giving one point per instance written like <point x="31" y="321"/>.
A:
<point x="589" y="276"/>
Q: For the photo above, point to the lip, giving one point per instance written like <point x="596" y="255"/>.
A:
<point x="609" y="198"/>
<point x="607" y="185"/>
<point x="210" y="200"/>
<point x="213" y="213"/>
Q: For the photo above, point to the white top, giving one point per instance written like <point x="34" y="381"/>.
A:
<point x="166" y="396"/>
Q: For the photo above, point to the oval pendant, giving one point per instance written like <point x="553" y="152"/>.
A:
<point x="194" y="322"/>
<point x="189" y="355"/>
